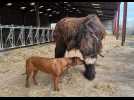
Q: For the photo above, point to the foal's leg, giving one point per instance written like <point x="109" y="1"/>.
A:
<point x="56" y="82"/>
<point x="34" y="77"/>
<point x="29" y="72"/>
<point x="27" y="81"/>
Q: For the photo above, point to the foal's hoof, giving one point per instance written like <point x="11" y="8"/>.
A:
<point x="35" y="83"/>
<point x="27" y="86"/>
<point x="57" y="89"/>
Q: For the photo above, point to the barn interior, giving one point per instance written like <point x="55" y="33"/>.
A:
<point x="46" y="14"/>
<point x="43" y="13"/>
<point x="31" y="23"/>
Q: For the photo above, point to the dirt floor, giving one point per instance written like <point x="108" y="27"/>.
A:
<point x="115" y="73"/>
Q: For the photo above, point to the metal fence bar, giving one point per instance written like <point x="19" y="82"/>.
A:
<point x="42" y="38"/>
<point x="21" y="36"/>
<point x="37" y="39"/>
<point x="10" y="38"/>
<point x="47" y="35"/>
<point x="30" y="36"/>
<point x="52" y="35"/>
<point x="1" y="40"/>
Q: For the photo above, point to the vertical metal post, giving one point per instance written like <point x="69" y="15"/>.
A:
<point x="47" y="35"/>
<point x="114" y="24"/>
<point x="37" y="15"/>
<point x="118" y="19"/>
<point x="124" y="24"/>
<point x="30" y="36"/>
<point x="0" y="20"/>
<point x="21" y="36"/>
<point x="1" y="38"/>
<point x="52" y="35"/>
<point x="11" y="37"/>
<point x="37" y="35"/>
<point x="43" y="36"/>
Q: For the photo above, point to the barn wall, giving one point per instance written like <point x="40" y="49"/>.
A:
<point x="108" y="25"/>
<point x="17" y="17"/>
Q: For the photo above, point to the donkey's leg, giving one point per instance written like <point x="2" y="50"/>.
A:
<point x="60" y="49"/>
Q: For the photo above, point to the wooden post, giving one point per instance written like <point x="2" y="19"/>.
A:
<point x="124" y="24"/>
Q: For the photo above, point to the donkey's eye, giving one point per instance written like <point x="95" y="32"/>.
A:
<point x="93" y="56"/>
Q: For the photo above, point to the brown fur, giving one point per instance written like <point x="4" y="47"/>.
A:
<point x="52" y="66"/>
<point x="68" y="28"/>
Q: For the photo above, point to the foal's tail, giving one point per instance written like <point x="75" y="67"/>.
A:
<point x="26" y="66"/>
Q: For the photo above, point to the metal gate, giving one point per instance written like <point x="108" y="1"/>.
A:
<point x="20" y="36"/>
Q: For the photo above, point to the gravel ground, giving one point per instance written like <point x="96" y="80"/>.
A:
<point x="114" y="73"/>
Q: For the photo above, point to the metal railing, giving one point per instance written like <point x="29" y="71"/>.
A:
<point x="20" y="36"/>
